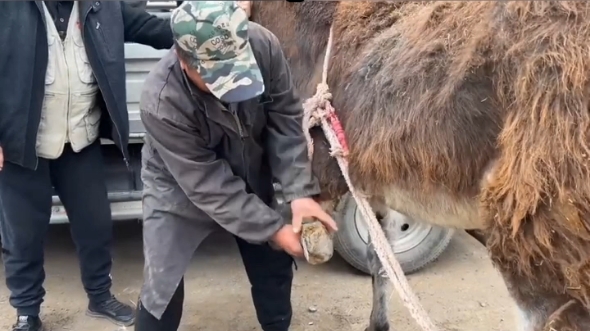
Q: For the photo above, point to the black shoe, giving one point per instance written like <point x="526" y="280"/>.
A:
<point x="113" y="310"/>
<point x="28" y="323"/>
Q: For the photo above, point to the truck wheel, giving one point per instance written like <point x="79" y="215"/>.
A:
<point x="418" y="243"/>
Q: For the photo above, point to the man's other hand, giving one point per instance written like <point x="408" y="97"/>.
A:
<point x="309" y="208"/>
<point x="1" y="158"/>
<point x="288" y="240"/>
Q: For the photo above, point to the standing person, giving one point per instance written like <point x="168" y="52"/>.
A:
<point x="62" y="87"/>
<point x="222" y="119"/>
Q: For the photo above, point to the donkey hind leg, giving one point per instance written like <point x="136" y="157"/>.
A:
<point x="529" y="319"/>
<point x="542" y="311"/>
<point x="381" y="285"/>
<point x="551" y="314"/>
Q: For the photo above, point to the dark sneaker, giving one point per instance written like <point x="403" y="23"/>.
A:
<point x="113" y="310"/>
<point x="28" y="323"/>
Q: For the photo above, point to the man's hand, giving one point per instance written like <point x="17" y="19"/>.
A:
<point x="307" y="208"/>
<point x="1" y="158"/>
<point x="288" y="241"/>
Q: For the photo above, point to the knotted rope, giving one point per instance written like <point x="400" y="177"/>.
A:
<point x="319" y="111"/>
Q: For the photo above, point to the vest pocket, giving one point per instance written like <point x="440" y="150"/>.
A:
<point x="84" y="118"/>
<point x="52" y="125"/>
<point x="51" y="59"/>
<point x="82" y="62"/>
<point x="92" y="121"/>
<point x="48" y="101"/>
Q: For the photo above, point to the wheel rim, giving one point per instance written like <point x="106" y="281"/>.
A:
<point x="410" y="232"/>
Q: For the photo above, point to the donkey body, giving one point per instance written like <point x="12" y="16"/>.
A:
<point x="472" y="115"/>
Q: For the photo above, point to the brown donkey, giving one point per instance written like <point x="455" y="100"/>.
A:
<point x="473" y="115"/>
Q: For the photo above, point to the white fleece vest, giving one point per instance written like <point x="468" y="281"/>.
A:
<point x="69" y="112"/>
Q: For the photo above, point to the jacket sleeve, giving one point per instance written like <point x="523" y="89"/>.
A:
<point x="286" y="144"/>
<point x="143" y="28"/>
<point x="209" y="182"/>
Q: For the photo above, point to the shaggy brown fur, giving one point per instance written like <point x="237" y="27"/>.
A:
<point x="432" y="94"/>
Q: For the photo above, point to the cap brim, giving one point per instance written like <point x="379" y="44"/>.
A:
<point x="233" y="80"/>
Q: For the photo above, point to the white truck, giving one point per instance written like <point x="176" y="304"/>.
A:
<point x="418" y="245"/>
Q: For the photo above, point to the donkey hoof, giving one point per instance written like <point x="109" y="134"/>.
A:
<point x="317" y="243"/>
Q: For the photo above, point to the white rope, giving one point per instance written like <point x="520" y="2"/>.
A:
<point x="315" y="113"/>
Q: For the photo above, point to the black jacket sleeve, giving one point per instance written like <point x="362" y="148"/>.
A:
<point x="143" y="28"/>
<point x="286" y="144"/>
<point x="208" y="181"/>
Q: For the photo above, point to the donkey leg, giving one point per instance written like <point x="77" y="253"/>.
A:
<point x="528" y="318"/>
<point x="539" y="310"/>
<point x="379" y="320"/>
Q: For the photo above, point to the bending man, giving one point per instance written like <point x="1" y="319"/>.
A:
<point x="222" y="119"/>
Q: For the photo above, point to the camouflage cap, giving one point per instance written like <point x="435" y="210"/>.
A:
<point x="215" y="33"/>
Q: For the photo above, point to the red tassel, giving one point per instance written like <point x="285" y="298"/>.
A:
<point x="337" y="127"/>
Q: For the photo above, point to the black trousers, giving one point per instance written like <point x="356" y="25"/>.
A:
<point x="25" y="205"/>
<point x="270" y="273"/>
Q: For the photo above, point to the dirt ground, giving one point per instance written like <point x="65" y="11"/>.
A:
<point x="461" y="291"/>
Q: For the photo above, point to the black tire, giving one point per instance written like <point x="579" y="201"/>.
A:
<point x="351" y="246"/>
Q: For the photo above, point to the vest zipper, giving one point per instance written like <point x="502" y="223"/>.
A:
<point x="83" y="23"/>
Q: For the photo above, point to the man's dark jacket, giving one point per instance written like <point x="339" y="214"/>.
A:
<point x="106" y="25"/>
<point x="224" y="158"/>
